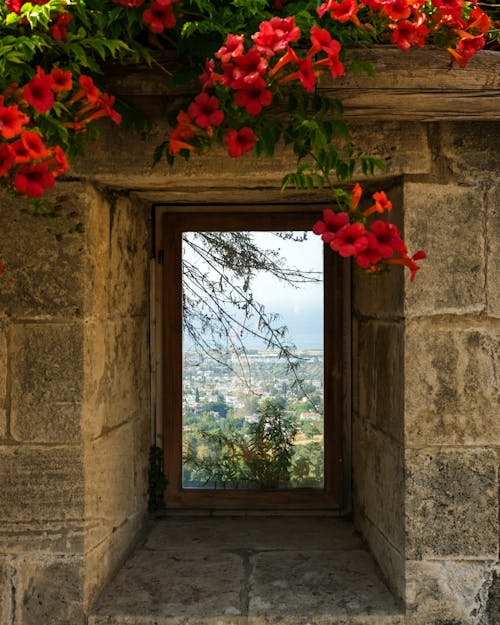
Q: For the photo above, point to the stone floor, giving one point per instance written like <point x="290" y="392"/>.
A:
<point x="248" y="571"/>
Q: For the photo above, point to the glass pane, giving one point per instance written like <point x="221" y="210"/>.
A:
<point x="252" y="361"/>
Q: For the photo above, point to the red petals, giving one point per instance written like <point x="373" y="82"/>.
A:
<point x="254" y="96"/>
<point x="33" y="180"/>
<point x="204" y="111"/>
<point x="38" y="92"/>
<point x="240" y="141"/>
<point x="159" y="16"/>
<point x="11" y="121"/>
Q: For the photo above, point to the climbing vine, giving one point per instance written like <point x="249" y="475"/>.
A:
<point x="258" y="64"/>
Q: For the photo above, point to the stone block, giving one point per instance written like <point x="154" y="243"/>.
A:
<point x="438" y="219"/>
<point x="41" y="499"/>
<point x="445" y="592"/>
<point x="312" y="587"/>
<point x="493" y="600"/>
<point x="378" y="357"/>
<point x="42" y="276"/>
<point x="451" y="504"/>
<point x="471" y="149"/>
<point x="47" y="378"/>
<point x="452" y="390"/>
<point x="390" y="561"/>
<point x="97" y="242"/>
<point x="129" y="259"/>
<point x="378" y="481"/>
<point x="493" y="251"/>
<point x="116" y="386"/>
<point x="402" y="146"/>
<point x="110" y="497"/>
<point x="174" y="587"/>
<point x="49" y="591"/>
<point x="103" y="560"/>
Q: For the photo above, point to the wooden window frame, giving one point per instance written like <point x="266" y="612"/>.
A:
<point x="336" y="366"/>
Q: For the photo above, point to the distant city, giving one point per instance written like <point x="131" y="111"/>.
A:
<point x="223" y="393"/>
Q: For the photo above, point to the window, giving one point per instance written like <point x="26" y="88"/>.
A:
<point x="185" y="393"/>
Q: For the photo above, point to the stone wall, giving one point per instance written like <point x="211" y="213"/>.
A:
<point x="74" y="381"/>
<point x="74" y="426"/>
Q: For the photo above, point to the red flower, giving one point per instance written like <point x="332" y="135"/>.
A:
<point x="14" y="6"/>
<point x="11" y="121"/>
<point x="407" y="34"/>
<point x="158" y="17"/>
<point x="466" y="48"/>
<point x="254" y="97"/>
<point x="59" y="30"/>
<point x="381" y="205"/>
<point x="34" y="180"/>
<point x="342" y="12"/>
<point x="408" y="262"/>
<point x="182" y="132"/>
<point x="332" y="222"/>
<point x="396" y="9"/>
<point x="246" y="69"/>
<point x="388" y="237"/>
<point x="240" y="141"/>
<point x="453" y="8"/>
<point x="232" y="48"/>
<point x="7" y="158"/>
<point x="58" y="164"/>
<point x="204" y="110"/>
<point x="62" y="81"/>
<point x="34" y="145"/>
<point x="356" y="194"/>
<point x="38" y="92"/>
<point x="350" y="240"/>
<point x="322" y="40"/>
<point x="275" y="35"/>
<point x="305" y="74"/>
<point x="21" y="153"/>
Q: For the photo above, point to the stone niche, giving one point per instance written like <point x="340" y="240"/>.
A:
<point x="77" y="371"/>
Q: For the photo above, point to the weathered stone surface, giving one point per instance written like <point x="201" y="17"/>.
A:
<point x="493" y="251"/>
<point x="452" y="393"/>
<point x="378" y="480"/>
<point x="128" y="261"/>
<point x="189" y="586"/>
<point x="49" y="591"/>
<point x="452" y="278"/>
<point x="445" y="592"/>
<point x="301" y="586"/>
<point x="248" y="571"/>
<point x="402" y="146"/>
<point x="452" y="503"/>
<point x="116" y="373"/>
<point x="110" y="496"/>
<point x="379" y="375"/>
<point x="6" y="590"/>
<point x="47" y="378"/>
<point x="97" y="243"/>
<point x="390" y="560"/>
<point x="493" y="600"/>
<point x="468" y="148"/>
<point x="42" y="277"/>
<point x="41" y="499"/>
<point x="102" y="560"/>
<point x="252" y="533"/>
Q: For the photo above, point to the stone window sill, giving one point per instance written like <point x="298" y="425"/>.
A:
<point x="248" y="569"/>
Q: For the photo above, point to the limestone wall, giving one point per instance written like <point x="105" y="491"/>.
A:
<point x="74" y="375"/>
<point x="74" y="426"/>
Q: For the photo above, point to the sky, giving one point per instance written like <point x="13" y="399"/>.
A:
<point x="301" y="310"/>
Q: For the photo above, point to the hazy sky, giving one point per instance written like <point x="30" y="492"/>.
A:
<point x="301" y="310"/>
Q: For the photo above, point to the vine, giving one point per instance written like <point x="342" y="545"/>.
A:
<point x="261" y="62"/>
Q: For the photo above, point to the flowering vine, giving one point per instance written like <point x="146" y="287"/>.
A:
<point x="262" y="63"/>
